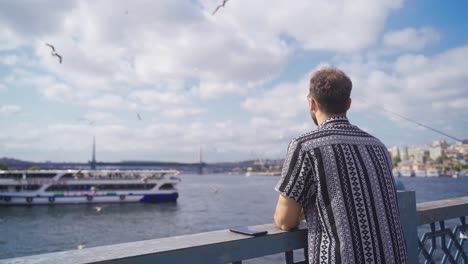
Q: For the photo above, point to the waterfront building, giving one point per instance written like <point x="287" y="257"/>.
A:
<point x="394" y="152"/>
<point x="419" y="169"/>
<point x="403" y="153"/>
<point x="418" y="154"/>
<point x="440" y="143"/>
<point x="405" y="169"/>
<point x="436" y="152"/>
<point x="462" y="147"/>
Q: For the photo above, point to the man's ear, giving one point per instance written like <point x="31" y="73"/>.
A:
<point x="312" y="105"/>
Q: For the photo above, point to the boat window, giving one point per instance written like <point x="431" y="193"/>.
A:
<point x="166" y="186"/>
<point x="15" y="176"/>
<point x="31" y="187"/>
<point x="40" y="175"/>
<point x="111" y="187"/>
<point x="18" y="176"/>
<point x="102" y="187"/>
<point x="67" y="176"/>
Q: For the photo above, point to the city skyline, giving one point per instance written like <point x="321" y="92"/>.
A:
<point x="155" y="80"/>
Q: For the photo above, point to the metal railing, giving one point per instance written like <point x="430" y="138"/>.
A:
<point x="226" y="247"/>
<point x="451" y="240"/>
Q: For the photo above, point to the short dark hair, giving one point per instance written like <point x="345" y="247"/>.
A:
<point x="331" y="88"/>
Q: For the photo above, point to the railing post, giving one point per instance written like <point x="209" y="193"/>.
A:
<point x="409" y="222"/>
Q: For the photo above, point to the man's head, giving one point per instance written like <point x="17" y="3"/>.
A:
<point x="329" y="93"/>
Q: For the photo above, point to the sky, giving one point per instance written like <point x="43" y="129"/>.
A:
<point x="157" y="80"/>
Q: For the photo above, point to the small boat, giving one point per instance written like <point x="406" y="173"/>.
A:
<point x="92" y="186"/>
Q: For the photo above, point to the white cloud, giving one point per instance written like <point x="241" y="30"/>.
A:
<point x="9" y="39"/>
<point x="317" y="25"/>
<point x="411" y="39"/>
<point x="167" y="59"/>
<point x="101" y="118"/>
<point x="426" y="88"/>
<point x="152" y="140"/>
<point x="105" y="49"/>
<point x="210" y="90"/>
<point x="9" y="109"/>
<point x="3" y="87"/>
<point x="284" y="100"/>
<point x="9" y="60"/>
<point x="109" y="101"/>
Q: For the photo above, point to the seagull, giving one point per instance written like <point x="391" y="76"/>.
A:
<point x="215" y="189"/>
<point x="139" y="116"/>
<point x="52" y="47"/>
<point x="98" y="208"/>
<point x="463" y="236"/>
<point x="90" y="122"/>
<point x="54" y="53"/>
<point x="219" y="6"/>
<point x="81" y="246"/>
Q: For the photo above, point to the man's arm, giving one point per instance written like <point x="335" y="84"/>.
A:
<point x="288" y="213"/>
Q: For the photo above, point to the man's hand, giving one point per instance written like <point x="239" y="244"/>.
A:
<point x="288" y="213"/>
<point x="301" y="215"/>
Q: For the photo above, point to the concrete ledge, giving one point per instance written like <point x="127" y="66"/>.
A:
<point x="217" y="246"/>
<point x="430" y="212"/>
<point x="224" y="246"/>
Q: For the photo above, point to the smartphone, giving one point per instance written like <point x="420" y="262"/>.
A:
<point x="248" y="231"/>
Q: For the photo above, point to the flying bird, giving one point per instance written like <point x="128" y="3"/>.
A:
<point x="89" y="121"/>
<point x="54" y="53"/>
<point x="139" y="116"/>
<point x="81" y="246"/>
<point x="50" y="46"/>
<point x="219" y="6"/>
<point x="98" y="208"/>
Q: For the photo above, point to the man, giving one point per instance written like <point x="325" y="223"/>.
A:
<point x="340" y="177"/>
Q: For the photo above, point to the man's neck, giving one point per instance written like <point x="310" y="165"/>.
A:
<point x="322" y="117"/>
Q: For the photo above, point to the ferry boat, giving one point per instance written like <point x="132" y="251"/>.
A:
<point x="87" y="186"/>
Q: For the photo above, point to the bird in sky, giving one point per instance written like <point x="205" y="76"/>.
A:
<point x="219" y="6"/>
<point x="54" y="53"/>
<point x="139" y="116"/>
<point x="98" y="208"/>
<point x="89" y="121"/>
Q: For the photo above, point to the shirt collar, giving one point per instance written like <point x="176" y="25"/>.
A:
<point x="334" y="120"/>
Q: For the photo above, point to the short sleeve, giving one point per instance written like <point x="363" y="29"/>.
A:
<point x="297" y="180"/>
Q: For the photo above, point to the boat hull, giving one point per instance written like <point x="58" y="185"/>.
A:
<point x="87" y="199"/>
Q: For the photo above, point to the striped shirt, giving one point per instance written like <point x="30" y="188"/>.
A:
<point x="342" y="177"/>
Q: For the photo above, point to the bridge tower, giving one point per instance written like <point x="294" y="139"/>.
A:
<point x="93" y="160"/>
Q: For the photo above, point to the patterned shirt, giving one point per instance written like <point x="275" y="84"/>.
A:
<point x="342" y="177"/>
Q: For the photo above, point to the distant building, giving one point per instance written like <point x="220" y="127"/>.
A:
<point x="418" y="154"/>
<point x="403" y="151"/>
<point x="394" y="152"/>
<point x="436" y="152"/>
<point x="462" y="147"/>
<point x="440" y="143"/>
